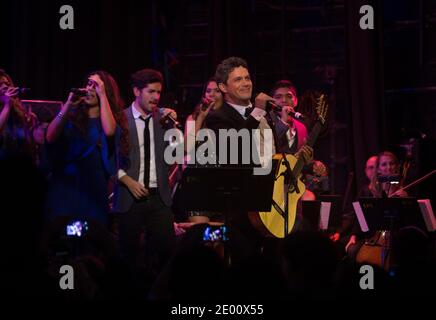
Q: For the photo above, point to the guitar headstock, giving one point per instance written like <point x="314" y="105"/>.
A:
<point x="321" y="108"/>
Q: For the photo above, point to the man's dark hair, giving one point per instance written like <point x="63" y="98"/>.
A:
<point x="226" y="66"/>
<point x="284" y="84"/>
<point x="140" y="79"/>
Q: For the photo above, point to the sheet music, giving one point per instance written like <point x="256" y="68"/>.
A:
<point x="324" y="215"/>
<point x="427" y="214"/>
<point x="360" y="216"/>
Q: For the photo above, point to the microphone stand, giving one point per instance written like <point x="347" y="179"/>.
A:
<point x="289" y="177"/>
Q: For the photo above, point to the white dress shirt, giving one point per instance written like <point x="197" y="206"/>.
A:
<point x="257" y="113"/>
<point x="140" y="124"/>
<point x="290" y="134"/>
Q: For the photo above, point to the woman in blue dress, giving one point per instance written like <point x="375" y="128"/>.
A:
<point x="84" y="142"/>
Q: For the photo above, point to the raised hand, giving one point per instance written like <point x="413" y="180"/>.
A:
<point x="261" y="100"/>
<point x="98" y="84"/>
<point x="6" y="93"/>
<point x="169" y="111"/>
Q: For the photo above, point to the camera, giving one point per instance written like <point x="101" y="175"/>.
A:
<point x="77" y="228"/>
<point x="215" y="233"/>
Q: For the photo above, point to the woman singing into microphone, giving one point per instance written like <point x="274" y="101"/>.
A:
<point x="84" y="140"/>
<point x="212" y="99"/>
<point x="15" y="123"/>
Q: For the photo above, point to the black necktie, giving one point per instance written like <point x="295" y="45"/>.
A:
<point x="248" y="110"/>
<point x="146" y="151"/>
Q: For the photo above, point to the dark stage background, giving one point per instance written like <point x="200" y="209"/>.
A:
<point x="381" y="82"/>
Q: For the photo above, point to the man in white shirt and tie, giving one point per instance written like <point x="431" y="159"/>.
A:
<point x="237" y="112"/>
<point x="142" y="194"/>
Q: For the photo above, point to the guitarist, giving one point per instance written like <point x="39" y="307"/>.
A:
<point x="291" y="133"/>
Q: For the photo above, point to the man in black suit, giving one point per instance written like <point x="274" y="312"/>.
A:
<point x="142" y="194"/>
<point x="237" y="112"/>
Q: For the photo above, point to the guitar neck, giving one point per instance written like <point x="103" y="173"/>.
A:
<point x="310" y="142"/>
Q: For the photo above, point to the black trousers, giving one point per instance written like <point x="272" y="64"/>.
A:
<point x="146" y="233"/>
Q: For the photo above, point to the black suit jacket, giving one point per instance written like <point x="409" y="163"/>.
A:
<point x="227" y="117"/>
<point x="123" y="199"/>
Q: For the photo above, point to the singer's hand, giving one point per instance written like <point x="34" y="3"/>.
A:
<point x="203" y="113"/>
<point x="3" y="88"/>
<point x="98" y="84"/>
<point x="261" y="100"/>
<point x="6" y="93"/>
<point x="285" y="114"/>
<point x="171" y="112"/>
<point x="74" y="100"/>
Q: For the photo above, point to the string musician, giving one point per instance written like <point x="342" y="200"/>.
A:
<point x="384" y="183"/>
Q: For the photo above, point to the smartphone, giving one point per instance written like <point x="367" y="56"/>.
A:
<point x="215" y="233"/>
<point x="77" y="228"/>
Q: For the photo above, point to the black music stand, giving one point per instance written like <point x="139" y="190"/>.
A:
<point x="389" y="214"/>
<point x="227" y="189"/>
<point x="311" y="211"/>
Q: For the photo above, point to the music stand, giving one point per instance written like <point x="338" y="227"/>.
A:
<point x="311" y="211"/>
<point x="391" y="213"/>
<point x="388" y="214"/>
<point x="227" y="189"/>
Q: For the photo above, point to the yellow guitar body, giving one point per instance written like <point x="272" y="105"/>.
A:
<point x="273" y="221"/>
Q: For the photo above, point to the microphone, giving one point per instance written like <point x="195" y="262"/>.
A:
<point x="270" y="105"/>
<point x="20" y="90"/>
<point x="165" y="120"/>
<point x="297" y="115"/>
<point x="205" y="103"/>
<point x="23" y="90"/>
<point x="81" y="92"/>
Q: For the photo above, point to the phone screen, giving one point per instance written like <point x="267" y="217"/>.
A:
<point x="77" y="228"/>
<point x="215" y="233"/>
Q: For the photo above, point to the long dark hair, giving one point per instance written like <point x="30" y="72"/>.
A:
<point x="18" y="118"/>
<point x="203" y="93"/>
<point x="80" y="118"/>
<point x="17" y="111"/>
